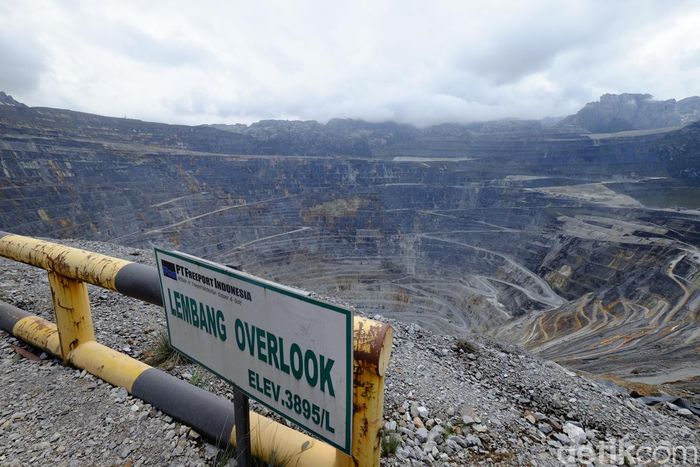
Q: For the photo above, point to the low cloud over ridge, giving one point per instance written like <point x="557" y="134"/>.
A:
<point x="414" y="62"/>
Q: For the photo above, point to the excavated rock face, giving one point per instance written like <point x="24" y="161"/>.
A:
<point x="546" y="242"/>
<point x="622" y="112"/>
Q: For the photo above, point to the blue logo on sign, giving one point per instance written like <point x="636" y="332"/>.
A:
<point x="168" y="269"/>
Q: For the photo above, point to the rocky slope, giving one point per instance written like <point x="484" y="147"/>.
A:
<point x="9" y="101"/>
<point x="448" y="401"/>
<point x="623" y="112"/>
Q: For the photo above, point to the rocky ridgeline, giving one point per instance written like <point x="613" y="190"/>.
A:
<point x="623" y="112"/>
<point x="348" y="137"/>
<point x="8" y="101"/>
<point x="448" y="400"/>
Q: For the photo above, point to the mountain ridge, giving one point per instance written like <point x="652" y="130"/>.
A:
<point x="337" y="137"/>
<point x="634" y="111"/>
<point x="611" y="113"/>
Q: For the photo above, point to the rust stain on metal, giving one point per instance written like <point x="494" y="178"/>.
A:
<point x="368" y="341"/>
<point x="38" y="332"/>
<point x="372" y="349"/>
<point x="71" y="262"/>
<point x="43" y="325"/>
<point x="364" y="428"/>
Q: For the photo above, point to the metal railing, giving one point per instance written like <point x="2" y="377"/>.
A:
<point x="72" y="338"/>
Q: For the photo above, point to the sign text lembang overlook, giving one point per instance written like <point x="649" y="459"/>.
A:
<point x="288" y="351"/>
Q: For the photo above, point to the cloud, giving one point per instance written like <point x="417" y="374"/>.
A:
<point x="409" y="61"/>
<point x="142" y="46"/>
<point x="524" y="42"/>
<point x="21" y="61"/>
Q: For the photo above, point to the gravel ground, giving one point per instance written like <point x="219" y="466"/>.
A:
<point x="508" y="407"/>
<point x="448" y="401"/>
<point x="53" y="415"/>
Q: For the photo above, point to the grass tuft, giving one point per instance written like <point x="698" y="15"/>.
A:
<point x="390" y="443"/>
<point x="223" y="456"/>
<point x="198" y="378"/>
<point x="466" y="346"/>
<point x="161" y="354"/>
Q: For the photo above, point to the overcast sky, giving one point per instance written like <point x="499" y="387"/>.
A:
<point x="418" y="62"/>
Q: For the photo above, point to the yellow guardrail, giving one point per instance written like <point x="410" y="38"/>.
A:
<point x="72" y="338"/>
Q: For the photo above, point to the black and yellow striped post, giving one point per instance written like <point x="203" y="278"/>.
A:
<point x="72" y="338"/>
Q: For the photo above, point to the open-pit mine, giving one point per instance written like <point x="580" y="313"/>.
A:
<point x="582" y="247"/>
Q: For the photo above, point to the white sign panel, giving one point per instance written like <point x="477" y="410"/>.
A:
<point x="276" y="344"/>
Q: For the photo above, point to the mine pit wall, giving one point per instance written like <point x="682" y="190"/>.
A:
<point x="631" y="308"/>
<point x="449" y="245"/>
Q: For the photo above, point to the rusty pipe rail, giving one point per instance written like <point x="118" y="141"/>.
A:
<point x="72" y="338"/>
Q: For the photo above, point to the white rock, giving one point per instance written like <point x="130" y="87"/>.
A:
<point x="479" y="428"/>
<point x="576" y="434"/>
